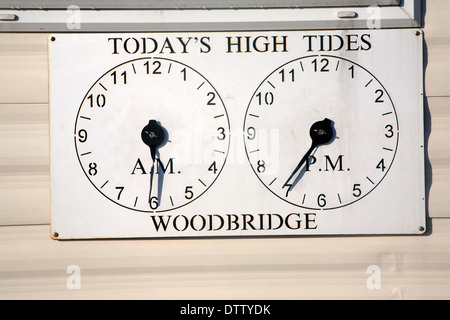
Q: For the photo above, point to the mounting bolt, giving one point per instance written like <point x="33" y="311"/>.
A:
<point x="421" y="229"/>
<point x="417" y="33"/>
<point x="56" y="234"/>
<point x="52" y="38"/>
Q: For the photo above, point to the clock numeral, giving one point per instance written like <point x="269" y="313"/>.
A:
<point x="390" y="132"/>
<point x="251" y="133"/>
<point x="381" y="165"/>
<point x="100" y="100"/>
<point x="120" y="192"/>
<point x="147" y="66"/>
<point x="261" y="166"/>
<point x="292" y="77"/>
<point x="154" y="202"/>
<point x="211" y="101"/>
<point x="157" y="65"/>
<point x="268" y="98"/>
<point x="183" y="71"/>
<point x="123" y="74"/>
<point x="380" y="94"/>
<point x="289" y="186"/>
<point x="356" y="190"/>
<point x="213" y="167"/>
<point x="222" y="135"/>
<point x="321" y="202"/>
<point x="324" y="62"/>
<point x="188" y="194"/>
<point x="352" y="71"/>
<point x="92" y="169"/>
<point x="82" y="135"/>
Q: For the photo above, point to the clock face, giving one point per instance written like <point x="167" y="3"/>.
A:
<point x="321" y="132"/>
<point x="152" y="134"/>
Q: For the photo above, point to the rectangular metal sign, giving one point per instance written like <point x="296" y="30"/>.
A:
<point x="236" y="134"/>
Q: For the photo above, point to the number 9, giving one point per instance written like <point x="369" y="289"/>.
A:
<point x="82" y="134"/>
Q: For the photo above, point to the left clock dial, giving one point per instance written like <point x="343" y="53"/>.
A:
<point x="152" y="134"/>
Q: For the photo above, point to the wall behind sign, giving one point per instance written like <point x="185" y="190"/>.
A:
<point x="34" y="266"/>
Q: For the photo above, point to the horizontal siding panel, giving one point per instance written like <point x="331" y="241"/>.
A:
<point x="23" y="65"/>
<point x="32" y="265"/>
<point x="24" y="139"/>
<point x="24" y="164"/>
<point x="437" y="40"/>
<point x="24" y="199"/>
<point x="437" y="73"/>
<point x="438" y="168"/>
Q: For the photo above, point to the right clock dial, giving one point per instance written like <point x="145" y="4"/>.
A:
<point x="321" y="132"/>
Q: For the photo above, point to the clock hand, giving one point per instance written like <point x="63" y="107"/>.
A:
<point x="321" y="132"/>
<point x="153" y="135"/>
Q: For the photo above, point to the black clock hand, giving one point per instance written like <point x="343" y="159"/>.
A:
<point x="321" y="132"/>
<point x="153" y="135"/>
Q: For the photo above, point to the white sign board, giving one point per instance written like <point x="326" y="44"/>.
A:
<point x="236" y="134"/>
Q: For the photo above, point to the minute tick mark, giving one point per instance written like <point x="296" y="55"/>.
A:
<point x="368" y="82"/>
<point x="201" y="85"/>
